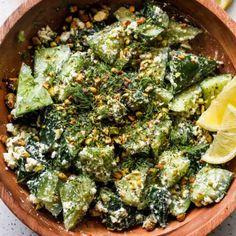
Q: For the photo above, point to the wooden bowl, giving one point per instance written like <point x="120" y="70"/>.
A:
<point x="30" y="16"/>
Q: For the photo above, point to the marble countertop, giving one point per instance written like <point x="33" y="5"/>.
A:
<point x="11" y="226"/>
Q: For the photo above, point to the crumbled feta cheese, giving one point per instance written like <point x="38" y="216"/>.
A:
<point x="10" y="127"/>
<point x="65" y="36"/>
<point x="33" y="199"/>
<point x="46" y="34"/>
<point x="58" y="133"/>
<point x="9" y="159"/>
<point x="31" y="164"/>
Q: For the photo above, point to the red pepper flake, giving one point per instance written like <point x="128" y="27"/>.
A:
<point x="141" y="21"/>
<point x="125" y="23"/>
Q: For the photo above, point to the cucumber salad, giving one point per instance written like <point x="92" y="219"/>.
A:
<point x="104" y="121"/>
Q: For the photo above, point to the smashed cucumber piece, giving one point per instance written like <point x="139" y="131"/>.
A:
<point x="187" y="69"/>
<point x="135" y="100"/>
<point x="137" y="140"/>
<point x="48" y="62"/>
<point x="98" y="162"/>
<point x="210" y="185"/>
<point x="144" y="136"/>
<point x="47" y="185"/>
<point x="174" y="166"/>
<point x="108" y="43"/>
<point x="54" y="207"/>
<point x="156" y="15"/>
<point x="76" y="195"/>
<point x="124" y="14"/>
<point x="113" y="110"/>
<point x="160" y="136"/>
<point x="31" y="96"/>
<point x="182" y="133"/>
<point x="158" y="199"/>
<point x="153" y="65"/>
<point x="212" y="86"/>
<point x="178" y="32"/>
<point x="152" y="26"/>
<point x="130" y="187"/>
<point x="148" y="32"/>
<point x="114" y="213"/>
<point x="56" y="118"/>
<point x="180" y="200"/>
<point x="162" y="95"/>
<point x="132" y="163"/>
<point x="45" y="188"/>
<point x="156" y="21"/>
<point x="186" y="102"/>
<point x="70" y="68"/>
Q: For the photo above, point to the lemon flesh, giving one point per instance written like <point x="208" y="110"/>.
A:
<point x="223" y="148"/>
<point x="212" y="118"/>
<point x="224" y="3"/>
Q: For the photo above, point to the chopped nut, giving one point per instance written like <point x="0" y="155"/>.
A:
<point x="181" y="57"/>
<point x="117" y="175"/>
<point x="131" y="118"/>
<point x="160" y="166"/>
<point x="202" y="108"/>
<point x="46" y="85"/>
<point x="181" y="217"/>
<point x="73" y="9"/>
<point x="52" y="91"/>
<point x="39" y="206"/>
<point x="10" y="118"/>
<point x="58" y="39"/>
<point x="184" y="25"/>
<point x="69" y="19"/>
<point x="139" y="114"/>
<point x="53" y="44"/>
<point x="101" y="16"/>
<point x="107" y="140"/>
<point x="183" y="181"/>
<point x="125" y="23"/>
<point x="88" y="141"/>
<point x="98" y="81"/>
<point x="20" y="142"/>
<point x="93" y="90"/>
<point x="3" y="138"/>
<point x="79" y="78"/>
<point x="192" y="179"/>
<point x="132" y="9"/>
<point x="88" y="25"/>
<point x="209" y="138"/>
<point x="36" y="138"/>
<point x="25" y="154"/>
<point x="67" y="102"/>
<point x="83" y="16"/>
<point x="36" y="41"/>
<point x="10" y="100"/>
<point x="62" y="176"/>
<point x="116" y="71"/>
<point x="71" y="45"/>
<point x="74" y="25"/>
<point x="164" y="43"/>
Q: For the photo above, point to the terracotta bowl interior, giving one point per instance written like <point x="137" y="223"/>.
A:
<point x="219" y="43"/>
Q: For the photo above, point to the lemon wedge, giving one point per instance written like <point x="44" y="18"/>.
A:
<point x="224" y="3"/>
<point x="212" y="118"/>
<point x="223" y="148"/>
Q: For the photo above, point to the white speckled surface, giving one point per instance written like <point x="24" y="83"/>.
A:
<point x="11" y="226"/>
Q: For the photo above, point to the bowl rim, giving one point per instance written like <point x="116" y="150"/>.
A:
<point x="204" y="226"/>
